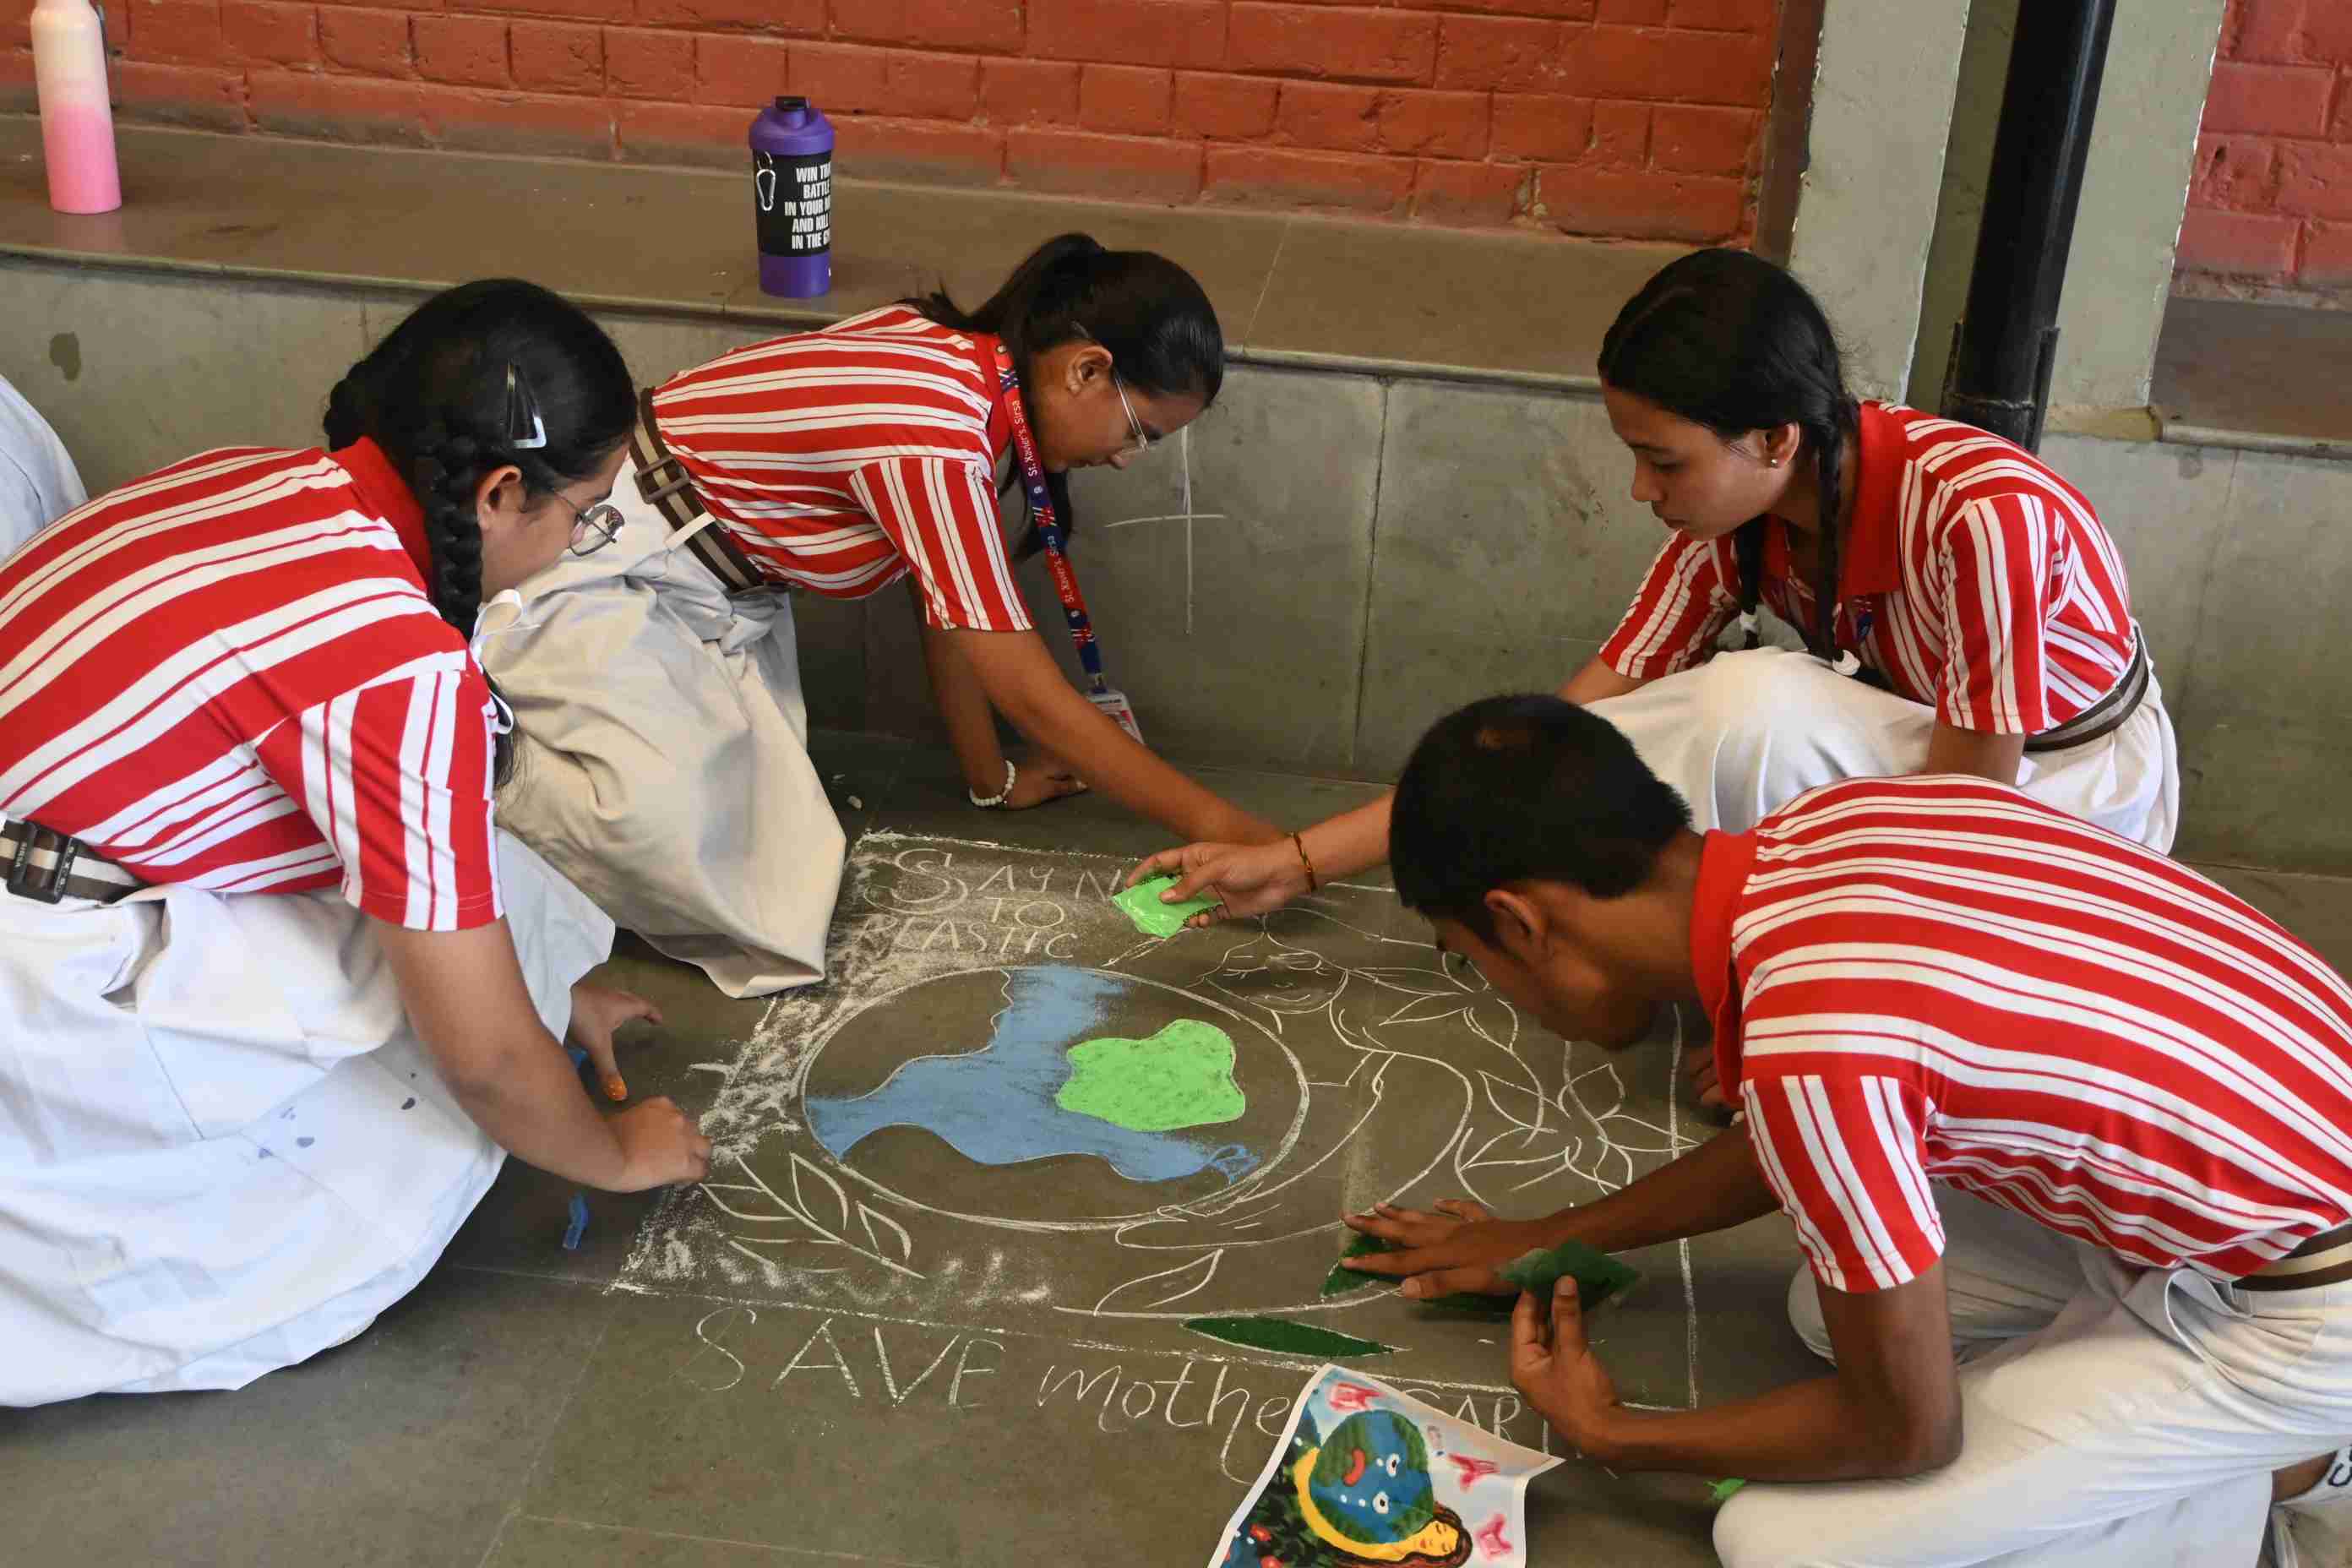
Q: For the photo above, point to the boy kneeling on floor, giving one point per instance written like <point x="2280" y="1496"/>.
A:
<point x="2065" y="1130"/>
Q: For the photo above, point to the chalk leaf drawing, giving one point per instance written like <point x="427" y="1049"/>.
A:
<point x="817" y="1206"/>
<point x="1163" y="1289"/>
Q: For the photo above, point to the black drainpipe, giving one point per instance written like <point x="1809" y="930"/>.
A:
<point x="2007" y="339"/>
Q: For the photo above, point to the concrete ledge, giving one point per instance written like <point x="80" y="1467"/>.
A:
<point x="1300" y="292"/>
<point x="2258" y="378"/>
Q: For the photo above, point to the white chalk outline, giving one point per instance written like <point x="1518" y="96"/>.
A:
<point x="1511" y="1134"/>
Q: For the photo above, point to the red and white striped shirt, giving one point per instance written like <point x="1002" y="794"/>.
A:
<point x="843" y="460"/>
<point x="229" y="674"/>
<point x="1975" y="580"/>
<point x="1942" y="978"/>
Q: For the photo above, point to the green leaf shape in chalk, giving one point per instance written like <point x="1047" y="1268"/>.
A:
<point x="1282" y="1334"/>
<point x="1152" y="918"/>
<point x="1342" y="1278"/>
<point x="1597" y="1277"/>
<point x="1180" y="1076"/>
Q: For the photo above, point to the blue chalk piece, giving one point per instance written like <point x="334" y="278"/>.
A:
<point x="579" y="1058"/>
<point x="579" y="1226"/>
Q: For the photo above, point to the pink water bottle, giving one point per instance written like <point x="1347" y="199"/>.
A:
<point x="77" y="123"/>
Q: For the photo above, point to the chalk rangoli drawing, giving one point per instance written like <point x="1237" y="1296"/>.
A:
<point x="891" y="1140"/>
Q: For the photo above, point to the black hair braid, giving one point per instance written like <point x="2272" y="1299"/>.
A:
<point x="448" y="467"/>
<point x="447" y="474"/>
<point x="1828" y="456"/>
<point x="1748" y="554"/>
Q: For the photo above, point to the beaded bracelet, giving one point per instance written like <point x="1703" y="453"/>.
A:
<point x="987" y="803"/>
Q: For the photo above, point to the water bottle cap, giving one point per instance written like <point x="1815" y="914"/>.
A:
<point x="790" y="107"/>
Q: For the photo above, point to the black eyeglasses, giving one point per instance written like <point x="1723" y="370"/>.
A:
<point x="593" y="526"/>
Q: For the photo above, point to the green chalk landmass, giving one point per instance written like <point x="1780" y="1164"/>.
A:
<point x="1180" y="1076"/>
<point x="1282" y="1334"/>
<point x="1152" y="918"/>
<point x="1597" y="1277"/>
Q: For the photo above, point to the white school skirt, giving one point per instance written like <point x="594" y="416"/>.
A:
<point x="222" y="1149"/>
<point x="1745" y="733"/>
<point x="662" y="759"/>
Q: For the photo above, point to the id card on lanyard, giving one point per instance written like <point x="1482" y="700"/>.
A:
<point x="1110" y="699"/>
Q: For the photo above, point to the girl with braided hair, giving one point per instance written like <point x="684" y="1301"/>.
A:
<point x="282" y="995"/>
<point x="663" y="728"/>
<point x="1960" y="606"/>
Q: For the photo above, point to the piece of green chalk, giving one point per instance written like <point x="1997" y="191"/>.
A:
<point x="1153" y="918"/>
<point x="1597" y="1277"/>
<point x="1721" y="1491"/>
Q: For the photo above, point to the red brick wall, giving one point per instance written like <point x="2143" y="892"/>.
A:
<point x="1638" y="119"/>
<point x="2271" y="204"/>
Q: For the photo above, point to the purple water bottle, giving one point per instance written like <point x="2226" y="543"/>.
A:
<point x="792" y="195"/>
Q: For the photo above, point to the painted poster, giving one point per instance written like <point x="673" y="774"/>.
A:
<point x="1367" y="1477"/>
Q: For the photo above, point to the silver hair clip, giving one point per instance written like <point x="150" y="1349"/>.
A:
<point x="526" y="431"/>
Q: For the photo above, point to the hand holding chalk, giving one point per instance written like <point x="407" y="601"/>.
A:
<point x="1142" y="903"/>
<point x="1553" y="1366"/>
<point x="1244" y="879"/>
<point x="597" y="1013"/>
<point x="660" y="1146"/>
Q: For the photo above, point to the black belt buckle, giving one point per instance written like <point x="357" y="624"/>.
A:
<point x="47" y="886"/>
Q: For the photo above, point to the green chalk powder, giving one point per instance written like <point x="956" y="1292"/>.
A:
<point x="1282" y="1334"/>
<point x="1180" y="1076"/>
<point x="1597" y="1277"/>
<point x="1153" y="918"/>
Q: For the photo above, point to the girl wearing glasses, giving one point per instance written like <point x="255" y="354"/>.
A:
<point x="662" y="727"/>
<point x="280" y="996"/>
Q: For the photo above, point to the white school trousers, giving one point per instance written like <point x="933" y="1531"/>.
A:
<point x="221" y="1147"/>
<point x="662" y="754"/>
<point x="2112" y="1416"/>
<point x="1745" y="733"/>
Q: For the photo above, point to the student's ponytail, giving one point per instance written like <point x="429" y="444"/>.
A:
<point x="1150" y="313"/>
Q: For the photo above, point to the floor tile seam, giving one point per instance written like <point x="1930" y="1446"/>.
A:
<point x="555" y="1420"/>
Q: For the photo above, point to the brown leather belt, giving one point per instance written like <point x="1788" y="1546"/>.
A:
<point x="668" y="488"/>
<point x="2108" y="715"/>
<point x="48" y="867"/>
<point x="2325" y="1259"/>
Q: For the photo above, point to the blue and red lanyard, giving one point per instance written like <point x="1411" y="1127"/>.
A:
<point x="1049" y="528"/>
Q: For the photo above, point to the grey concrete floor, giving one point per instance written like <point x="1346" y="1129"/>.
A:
<point x="900" y="1389"/>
